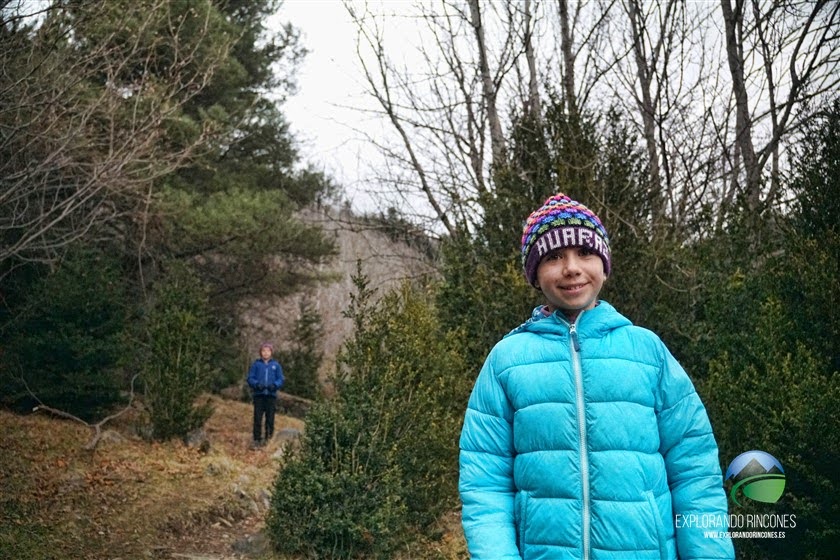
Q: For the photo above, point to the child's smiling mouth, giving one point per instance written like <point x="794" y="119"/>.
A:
<point x="573" y="288"/>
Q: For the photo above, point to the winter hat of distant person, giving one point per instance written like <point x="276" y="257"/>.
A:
<point x="559" y="223"/>
<point x="266" y="346"/>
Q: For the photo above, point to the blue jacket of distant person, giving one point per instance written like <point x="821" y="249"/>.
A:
<point x="265" y="378"/>
<point x="585" y="441"/>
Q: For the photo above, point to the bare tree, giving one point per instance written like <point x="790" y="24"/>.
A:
<point x="489" y="87"/>
<point x="662" y="69"/>
<point x="581" y="35"/>
<point x="791" y="50"/>
<point x="92" y="117"/>
<point x="534" y="105"/>
<point x="567" y="48"/>
<point x="378" y="76"/>
<point x="646" y="66"/>
<point x="445" y="108"/>
<point x="715" y="94"/>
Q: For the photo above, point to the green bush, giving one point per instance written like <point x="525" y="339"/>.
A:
<point x="780" y="400"/>
<point x="175" y="370"/>
<point x="302" y="360"/>
<point x="379" y="461"/>
<point x="771" y="343"/>
<point x="66" y="338"/>
<point x="340" y="500"/>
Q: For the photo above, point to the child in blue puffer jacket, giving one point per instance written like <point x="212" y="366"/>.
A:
<point x="583" y="437"/>
<point x="265" y="378"/>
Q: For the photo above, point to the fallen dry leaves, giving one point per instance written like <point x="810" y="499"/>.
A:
<point x="130" y="498"/>
<point x="134" y="499"/>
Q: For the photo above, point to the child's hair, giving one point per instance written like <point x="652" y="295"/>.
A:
<point x="559" y="223"/>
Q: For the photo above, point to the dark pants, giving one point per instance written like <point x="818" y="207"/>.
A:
<point x="264" y="406"/>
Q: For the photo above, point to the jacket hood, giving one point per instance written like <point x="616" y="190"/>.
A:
<point x="592" y="322"/>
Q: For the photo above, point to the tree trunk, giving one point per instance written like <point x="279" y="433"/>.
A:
<point x="733" y="21"/>
<point x="533" y="83"/>
<point x="497" y="139"/>
<point x="647" y="108"/>
<point x="568" y="60"/>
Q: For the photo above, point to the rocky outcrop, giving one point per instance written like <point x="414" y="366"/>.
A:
<point x="385" y="262"/>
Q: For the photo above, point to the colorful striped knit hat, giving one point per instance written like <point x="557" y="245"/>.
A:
<point x="561" y="222"/>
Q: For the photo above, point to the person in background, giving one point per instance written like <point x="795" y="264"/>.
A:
<point x="265" y="378"/>
<point x="584" y="437"/>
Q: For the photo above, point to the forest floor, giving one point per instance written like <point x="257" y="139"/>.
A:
<point x="130" y="498"/>
<point x="133" y="499"/>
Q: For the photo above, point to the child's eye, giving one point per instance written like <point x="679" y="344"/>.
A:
<point x="585" y="252"/>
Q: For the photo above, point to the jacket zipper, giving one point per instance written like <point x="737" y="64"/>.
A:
<point x="265" y="374"/>
<point x="574" y="343"/>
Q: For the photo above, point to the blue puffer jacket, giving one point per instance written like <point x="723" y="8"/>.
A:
<point x="265" y="378"/>
<point x="584" y="441"/>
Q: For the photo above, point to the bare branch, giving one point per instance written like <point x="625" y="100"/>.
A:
<point x="97" y="427"/>
<point x="383" y="96"/>
<point x="89" y="128"/>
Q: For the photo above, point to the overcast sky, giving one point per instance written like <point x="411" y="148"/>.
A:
<point x="325" y="111"/>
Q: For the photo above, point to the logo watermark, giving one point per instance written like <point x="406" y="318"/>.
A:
<point x="738" y="526"/>
<point x="757" y="475"/>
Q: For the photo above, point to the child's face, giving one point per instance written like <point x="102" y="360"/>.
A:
<point x="571" y="278"/>
<point x="265" y="352"/>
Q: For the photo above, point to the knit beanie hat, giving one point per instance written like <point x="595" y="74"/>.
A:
<point x="559" y="223"/>
<point x="266" y="345"/>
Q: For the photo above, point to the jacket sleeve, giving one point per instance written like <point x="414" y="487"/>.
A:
<point x="691" y="459"/>
<point x="252" y="376"/>
<point x="486" y="471"/>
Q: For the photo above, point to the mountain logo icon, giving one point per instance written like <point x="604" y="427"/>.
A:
<point x="757" y="475"/>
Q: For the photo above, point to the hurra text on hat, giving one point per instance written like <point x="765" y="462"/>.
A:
<point x="571" y="237"/>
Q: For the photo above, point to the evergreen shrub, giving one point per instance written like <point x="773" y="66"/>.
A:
<point x="175" y="369"/>
<point x="65" y="339"/>
<point x="379" y="460"/>
<point x="302" y="360"/>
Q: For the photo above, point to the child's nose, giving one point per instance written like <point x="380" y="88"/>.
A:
<point x="571" y="263"/>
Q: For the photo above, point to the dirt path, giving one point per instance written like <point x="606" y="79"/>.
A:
<point x="234" y="532"/>
<point x="132" y="499"/>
